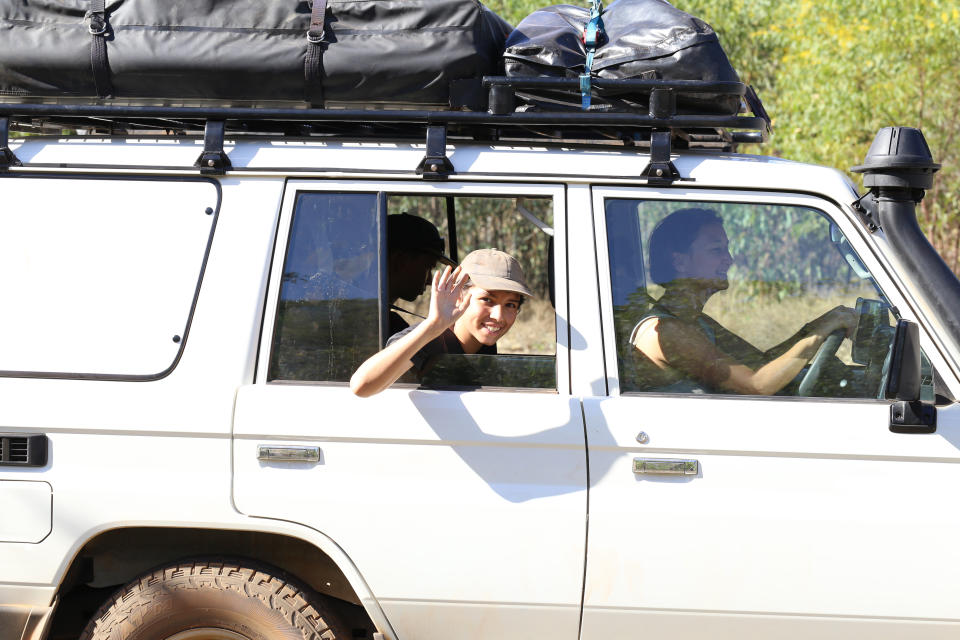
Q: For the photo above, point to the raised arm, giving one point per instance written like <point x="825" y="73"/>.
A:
<point x="448" y="300"/>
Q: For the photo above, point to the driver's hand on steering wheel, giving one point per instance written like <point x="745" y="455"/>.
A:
<point x="838" y="318"/>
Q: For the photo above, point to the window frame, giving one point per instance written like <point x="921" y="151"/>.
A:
<point x="881" y="271"/>
<point x="389" y="188"/>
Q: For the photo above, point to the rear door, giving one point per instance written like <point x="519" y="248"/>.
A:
<point x="784" y="516"/>
<point x="462" y="504"/>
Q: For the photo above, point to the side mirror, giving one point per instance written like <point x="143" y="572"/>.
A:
<point x="908" y="414"/>
<point x="903" y="383"/>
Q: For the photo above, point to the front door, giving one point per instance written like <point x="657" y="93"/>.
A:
<point x="461" y="500"/>
<point x="795" y="513"/>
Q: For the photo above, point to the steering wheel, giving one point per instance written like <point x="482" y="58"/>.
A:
<point x="826" y="351"/>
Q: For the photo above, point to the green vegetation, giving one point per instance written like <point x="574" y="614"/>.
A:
<point x="833" y="72"/>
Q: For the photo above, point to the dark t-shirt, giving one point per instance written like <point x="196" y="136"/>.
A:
<point x="397" y="324"/>
<point x="447" y="342"/>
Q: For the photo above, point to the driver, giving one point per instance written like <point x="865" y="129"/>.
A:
<point x="680" y="349"/>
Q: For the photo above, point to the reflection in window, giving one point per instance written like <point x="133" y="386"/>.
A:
<point x="327" y="317"/>
<point x="765" y="271"/>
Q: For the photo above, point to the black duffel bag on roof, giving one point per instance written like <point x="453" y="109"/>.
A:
<point x="429" y="53"/>
<point x="644" y="39"/>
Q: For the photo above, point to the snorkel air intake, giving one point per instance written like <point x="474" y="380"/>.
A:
<point x="897" y="171"/>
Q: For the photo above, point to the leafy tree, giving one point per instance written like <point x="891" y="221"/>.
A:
<point x="833" y="72"/>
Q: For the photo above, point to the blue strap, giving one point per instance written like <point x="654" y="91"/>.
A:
<point x="592" y="35"/>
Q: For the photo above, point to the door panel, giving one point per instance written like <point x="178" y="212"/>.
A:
<point x="799" y="509"/>
<point x="464" y="510"/>
<point x="807" y="517"/>
<point x="458" y="508"/>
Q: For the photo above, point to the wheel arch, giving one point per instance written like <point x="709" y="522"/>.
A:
<point x="114" y="557"/>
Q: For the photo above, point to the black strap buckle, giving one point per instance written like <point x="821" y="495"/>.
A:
<point x="313" y="38"/>
<point x="97" y="27"/>
<point x="96" y="23"/>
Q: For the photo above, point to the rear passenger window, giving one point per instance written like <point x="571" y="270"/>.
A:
<point x="357" y="270"/>
<point x="100" y="276"/>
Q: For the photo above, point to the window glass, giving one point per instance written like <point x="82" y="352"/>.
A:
<point x="332" y="302"/>
<point x="522" y="227"/>
<point x="327" y="316"/>
<point x="730" y="298"/>
<point x="100" y="275"/>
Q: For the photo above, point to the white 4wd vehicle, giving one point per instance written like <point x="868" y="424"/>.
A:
<point x="182" y="457"/>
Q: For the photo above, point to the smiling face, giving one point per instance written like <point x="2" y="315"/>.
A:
<point x="488" y="317"/>
<point x="708" y="260"/>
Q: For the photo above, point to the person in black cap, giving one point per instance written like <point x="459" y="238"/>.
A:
<point x="414" y="248"/>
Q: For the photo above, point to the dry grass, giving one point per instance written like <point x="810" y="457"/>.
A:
<point x="535" y="330"/>
<point x="766" y="320"/>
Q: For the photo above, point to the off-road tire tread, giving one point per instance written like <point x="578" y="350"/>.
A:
<point x="250" y="580"/>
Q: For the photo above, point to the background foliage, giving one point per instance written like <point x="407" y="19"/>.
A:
<point x="833" y="72"/>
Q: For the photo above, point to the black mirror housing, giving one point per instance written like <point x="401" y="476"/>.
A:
<point x="903" y="383"/>
<point x="908" y="414"/>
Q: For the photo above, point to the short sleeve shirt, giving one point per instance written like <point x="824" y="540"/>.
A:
<point x="447" y="342"/>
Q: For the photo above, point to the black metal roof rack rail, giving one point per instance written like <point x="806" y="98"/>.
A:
<point x="624" y="126"/>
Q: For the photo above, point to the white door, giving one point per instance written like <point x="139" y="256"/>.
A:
<point x="802" y="517"/>
<point x="463" y="508"/>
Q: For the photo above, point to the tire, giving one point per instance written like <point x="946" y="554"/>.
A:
<point x="213" y="600"/>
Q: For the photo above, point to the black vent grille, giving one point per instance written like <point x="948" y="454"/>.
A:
<point x="23" y="450"/>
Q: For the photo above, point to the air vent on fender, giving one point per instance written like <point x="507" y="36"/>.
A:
<point x="21" y="450"/>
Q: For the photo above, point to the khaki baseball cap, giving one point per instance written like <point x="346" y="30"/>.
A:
<point x="494" y="270"/>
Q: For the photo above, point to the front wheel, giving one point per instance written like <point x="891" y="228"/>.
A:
<point x="213" y="600"/>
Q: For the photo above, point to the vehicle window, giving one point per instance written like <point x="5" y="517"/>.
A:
<point x="522" y="227"/>
<point x="336" y="309"/>
<point x="101" y="275"/>
<point x="327" y="315"/>
<point x="729" y="298"/>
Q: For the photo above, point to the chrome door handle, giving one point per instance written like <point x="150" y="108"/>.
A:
<point x="666" y="466"/>
<point x="288" y="454"/>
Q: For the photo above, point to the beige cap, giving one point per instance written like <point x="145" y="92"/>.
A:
<point x="494" y="270"/>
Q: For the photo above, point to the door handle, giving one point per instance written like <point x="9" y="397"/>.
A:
<point x="288" y="454"/>
<point x="666" y="466"/>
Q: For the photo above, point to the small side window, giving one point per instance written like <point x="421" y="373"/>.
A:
<point x="100" y="275"/>
<point x="327" y="314"/>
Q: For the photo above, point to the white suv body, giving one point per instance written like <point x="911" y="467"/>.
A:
<point x="478" y="513"/>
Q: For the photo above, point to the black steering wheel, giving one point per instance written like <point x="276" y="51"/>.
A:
<point x="826" y="351"/>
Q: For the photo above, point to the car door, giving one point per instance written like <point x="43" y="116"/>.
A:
<point x="786" y="516"/>
<point x="462" y="507"/>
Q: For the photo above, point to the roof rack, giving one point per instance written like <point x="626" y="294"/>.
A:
<point x="502" y="121"/>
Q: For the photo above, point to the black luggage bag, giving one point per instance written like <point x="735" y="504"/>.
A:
<point x="363" y="53"/>
<point x="644" y="39"/>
